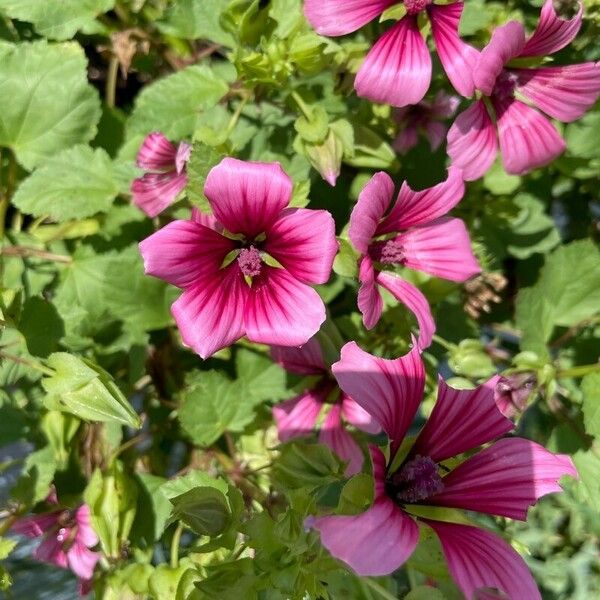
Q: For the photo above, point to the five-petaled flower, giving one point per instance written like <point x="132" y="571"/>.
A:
<point x="397" y="70"/>
<point x="298" y="416"/>
<point x="415" y="234"/>
<point x="166" y="177"/>
<point x="527" y="139"/>
<point x="248" y="269"/>
<point x="503" y="479"/>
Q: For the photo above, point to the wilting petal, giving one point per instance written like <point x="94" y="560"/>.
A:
<point x="304" y="360"/>
<point x="412" y="297"/>
<point x="35" y="525"/>
<point x="565" y="93"/>
<point x="370" y="302"/>
<point x="479" y="559"/>
<point x="50" y="551"/>
<point x="397" y="69"/>
<point x="527" y="139"/>
<point x="436" y="132"/>
<point x="246" y="197"/>
<point x="303" y="241"/>
<point x="156" y="153"/>
<point x="472" y="141"/>
<point x="85" y="533"/>
<point x="82" y="560"/>
<point x="354" y="413"/>
<point x="210" y="313"/>
<point x="282" y="310"/>
<point x="444" y="105"/>
<point x="406" y="139"/>
<point x="457" y="57"/>
<point x="183" y="251"/>
<point x="420" y="207"/>
<point x="340" y="441"/>
<point x="504" y="479"/>
<point x="461" y="420"/>
<point x="154" y="192"/>
<point x="506" y="43"/>
<point x="552" y="33"/>
<point x="389" y="390"/>
<point x="441" y="248"/>
<point x="297" y="417"/>
<point x="183" y="155"/>
<point x="373" y="200"/>
<point x="332" y="17"/>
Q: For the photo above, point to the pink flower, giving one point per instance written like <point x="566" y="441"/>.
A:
<point x="165" y="178"/>
<point x="226" y="264"/>
<point x="67" y="537"/>
<point x="527" y="139"/>
<point x="415" y="234"/>
<point x="425" y="117"/>
<point x="503" y="479"/>
<point x="297" y="417"/>
<point x="397" y="70"/>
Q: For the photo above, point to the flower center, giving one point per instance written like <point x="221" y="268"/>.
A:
<point x="416" y="6"/>
<point x="416" y="480"/>
<point x="250" y="261"/>
<point x="389" y="252"/>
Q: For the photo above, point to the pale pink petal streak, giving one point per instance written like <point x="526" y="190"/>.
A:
<point x="297" y="417"/>
<point x="82" y="561"/>
<point x="340" y="441"/>
<point x="354" y="413"/>
<point x="154" y="192"/>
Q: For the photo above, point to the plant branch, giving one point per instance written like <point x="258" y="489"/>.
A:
<point x="29" y="252"/>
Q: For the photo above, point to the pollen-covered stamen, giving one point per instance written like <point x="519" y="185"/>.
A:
<point x="416" y="6"/>
<point x="250" y="261"/>
<point x="389" y="252"/>
<point x="416" y="480"/>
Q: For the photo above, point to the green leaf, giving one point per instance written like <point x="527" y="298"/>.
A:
<point x="172" y="104"/>
<point x="56" y="19"/>
<point x="52" y="107"/>
<point x="587" y="488"/>
<point x="265" y="380"/>
<point x="87" y="391"/>
<point x="346" y="260"/>
<point x="41" y="326"/>
<point x="6" y="547"/>
<point x="499" y="182"/>
<point x="582" y="136"/>
<point x="202" y="159"/>
<point x="38" y="473"/>
<point x="77" y="183"/>
<point x="590" y="386"/>
<point x="153" y="509"/>
<point x="424" y="592"/>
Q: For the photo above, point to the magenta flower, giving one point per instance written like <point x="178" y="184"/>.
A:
<point x="67" y="537"/>
<point x="298" y="416"/>
<point x="503" y="479"/>
<point x="165" y="178"/>
<point x="527" y="139"/>
<point x="415" y="234"/>
<point x="397" y="70"/>
<point x="426" y="118"/>
<point x="248" y="270"/>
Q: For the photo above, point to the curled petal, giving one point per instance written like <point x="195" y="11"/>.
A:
<point x="472" y="141"/>
<point x="479" y="559"/>
<point x="297" y="417"/>
<point x="82" y="560"/>
<point x="444" y="105"/>
<point x="154" y="192"/>
<point x="304" y="360"/>
<point x="504" y="479"/>
<point x="331" y="17"/>
<point x="461" y="420"/>
<point x="156" y="153"/>
<point x="183" y="155"/>
<point x="389" y="390"/>
<point x="370" y="302"/>
<point x="354" y="413"/>
<point x="527" y="139"/>
<point x="246" y="197"/>
<point x="303" y="241"/>
<point x="397" y="70"/>
<point x="552" y="33"/>
<point x="340" y="441"/>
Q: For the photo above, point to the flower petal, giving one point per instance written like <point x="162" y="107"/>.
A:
<point x="340" y="441"/>
<point x="297" y="417"/>
<point x="304" y="360"/>
<point x="507" y="42"/>
<point x="154" y="192"/>
<point x="282" y="310"/>
<point x="183" y="251"/>
<point x="406" y="139"/>
<point x="303" y="241"/>
<point x="183" y="155"/>
<point x="552" y="33"/>
<point x="210" y="313"/>
<point x="373" y="200"/>
<point x="85" y="533"/>
<point x="436" y="132"/>
<point x="397" y="69"/>
<point x="246" y="197"/>
<point x="457" y="57"/>
<point x="504" y="479"/>
<point x="420" y="207"/>
<point x="441" y="248"/>
<point x="354" y="413"/>
<point x="50" y="551"/>
<point x="35" y="525"/>
<point x="370" y="302"/>
<point x="389" y="390"/>
<point x="156" y="153"/>
<point x="472" y="141"/>
<point x="412" y="297"/>
<point x="565" y="93"/>
<point x="332" y="17"/>
<point x="480" y="559"/>
<point x="527" y="139"/>
<point x="82" y="560"/>
<point x="461" y="420"/>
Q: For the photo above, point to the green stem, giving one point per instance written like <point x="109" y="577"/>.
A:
<point x="6" y="196"/>
<point x="175" y="545"/>
<point x="236" y="116"/>
<point x="579" y="371"/>
<point x="379" y="589"/>
<point x="305" y="109"/>
<point x="444" y="343"/>
<point x="111" y="81"/>
<point x="28" y="362"/>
